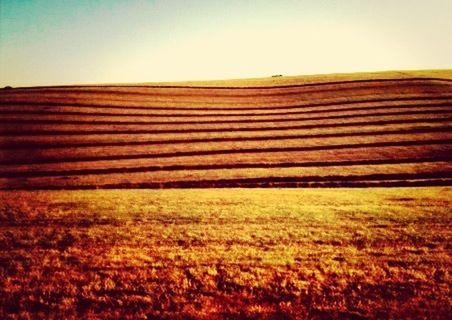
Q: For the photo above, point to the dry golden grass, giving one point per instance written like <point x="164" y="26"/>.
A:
<point x="328" y="128"/>
<point x="261" y="93"/>
<point x="226" y="254"/>
<point x="288" y="80"/>
<point x="374" y="253"/>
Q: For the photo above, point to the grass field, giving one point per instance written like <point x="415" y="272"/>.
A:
<point x="237" y="233"/>
<point x="226" y="254"/>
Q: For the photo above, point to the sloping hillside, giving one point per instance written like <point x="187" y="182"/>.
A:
<point x="387" y="129"/>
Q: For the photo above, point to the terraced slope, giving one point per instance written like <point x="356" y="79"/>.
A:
<point x="383" y="130"/>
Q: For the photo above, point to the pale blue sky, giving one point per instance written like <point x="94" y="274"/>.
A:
<point x="52" y="42"/>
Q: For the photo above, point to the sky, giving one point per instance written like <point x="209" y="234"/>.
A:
<point x="57" y="42"/>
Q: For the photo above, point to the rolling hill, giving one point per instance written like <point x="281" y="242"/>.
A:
<point x="380" y="129"/>
<point x="236" y="253"/>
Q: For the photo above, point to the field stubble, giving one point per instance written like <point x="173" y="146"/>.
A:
<point x="226" y="253"/>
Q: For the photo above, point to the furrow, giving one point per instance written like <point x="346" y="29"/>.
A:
<point x="114" y="154"/>
<point x="306" y="102"/>
<point x="319" y="164"/>
<point x="96" y="129"/>
<point x="188" y="140"/>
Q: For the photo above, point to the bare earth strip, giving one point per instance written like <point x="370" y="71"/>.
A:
<point x="96" y="128"/>
<point x="214" y="105"/>
<point x="21" y="140"/>
<point x="347" y="156"/>
<point x="124" y="119"/>
<point x="228" y="148"/>
<point x="333" y="175"/>
<point x="29" y="109"/>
